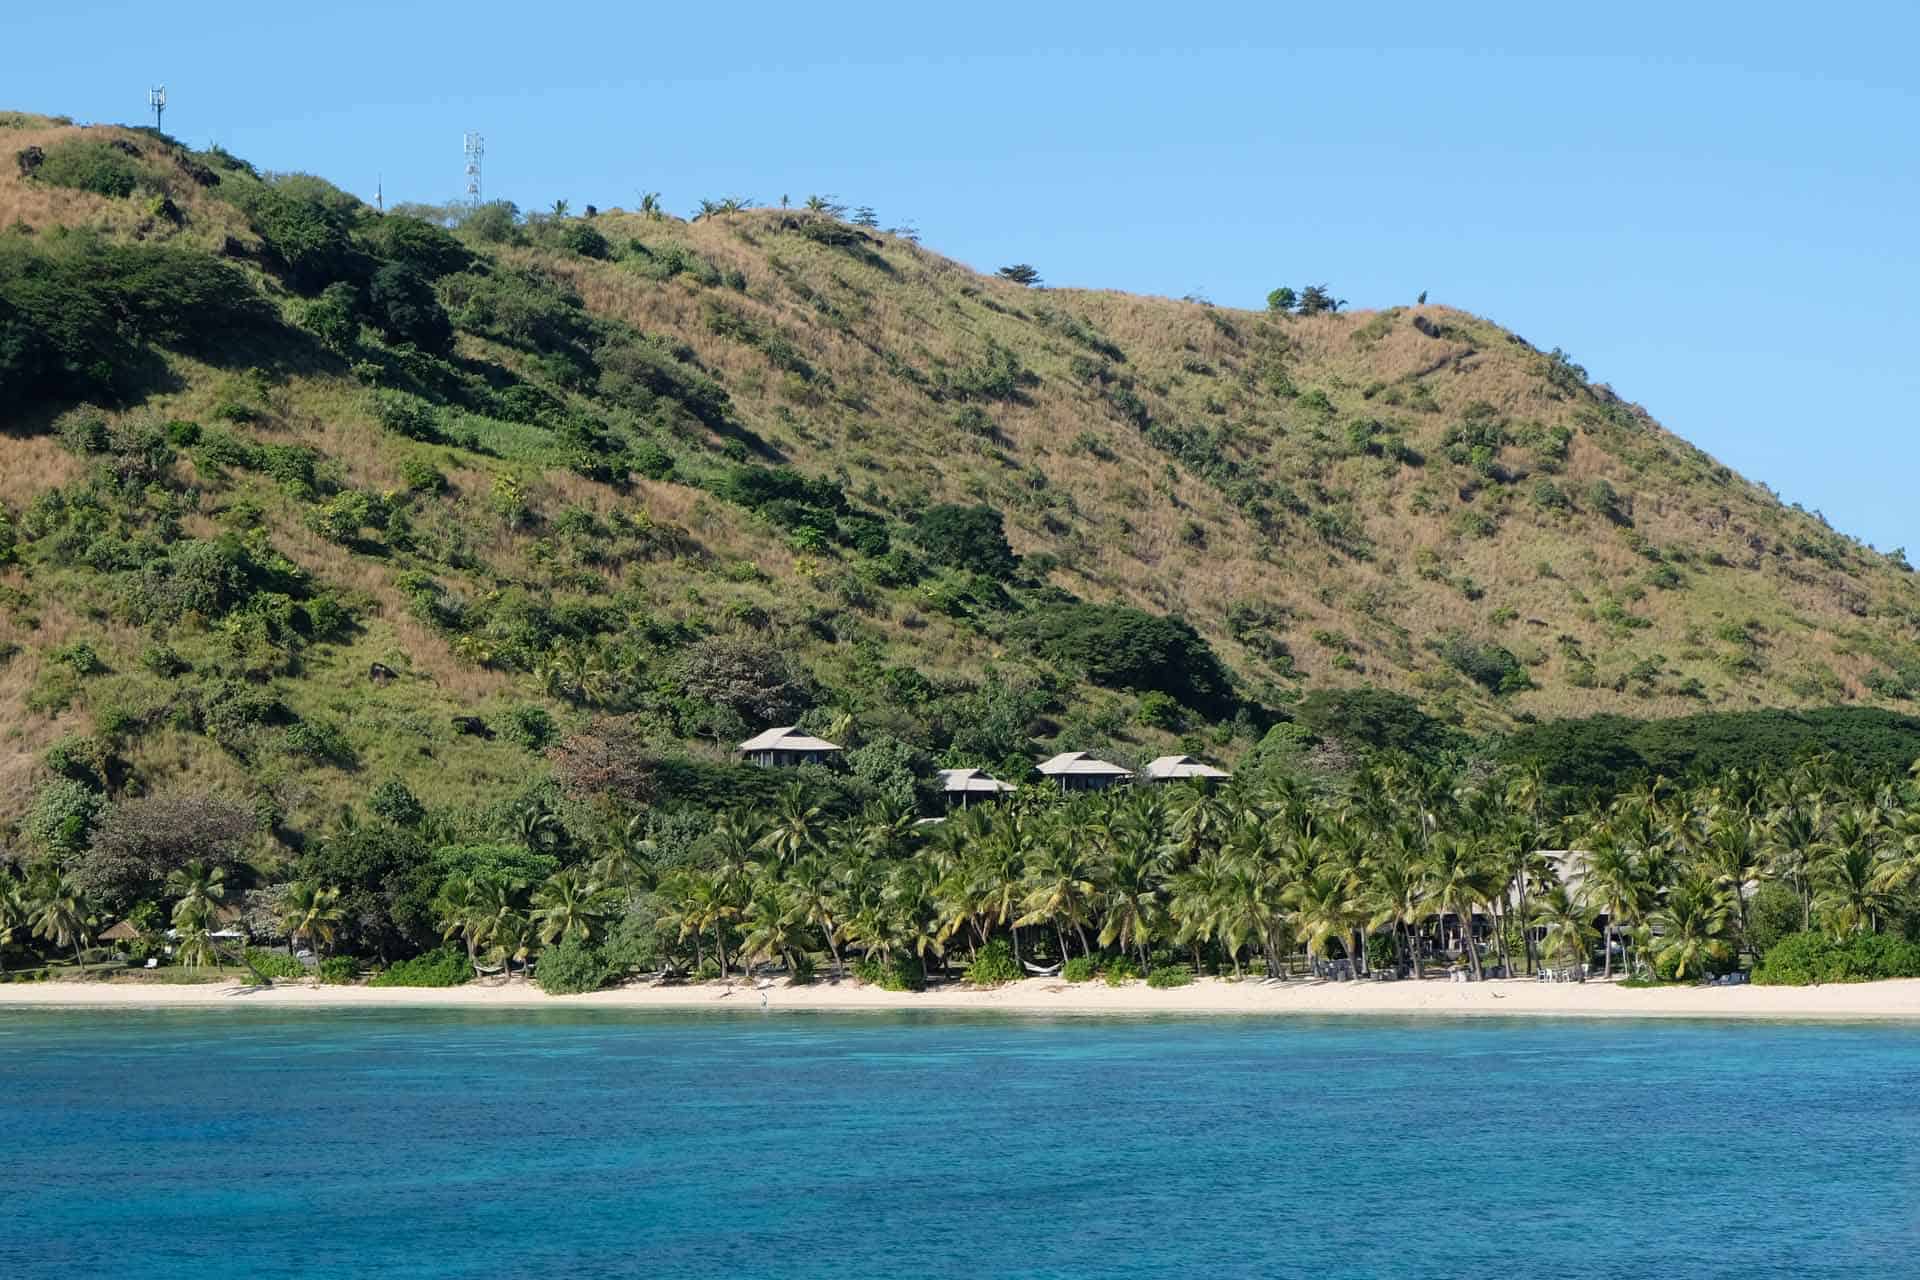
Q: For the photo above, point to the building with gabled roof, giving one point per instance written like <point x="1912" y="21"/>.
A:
<point x="787" y="746"/>
<point x="1181" y="769"/>
<point x="1082" y="771"/>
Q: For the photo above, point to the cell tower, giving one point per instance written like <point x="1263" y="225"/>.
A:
<point x="476" y="147"/>
<point x="157" y="99"/>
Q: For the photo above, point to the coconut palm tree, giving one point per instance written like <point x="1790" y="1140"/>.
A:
<point x="312" y="911"/>
<point x="1396" y="893"/>
<point x="198" y="885"/>
<point x="814" y="894"/>
<point x="1129" y="899"/>
<point x="772" y="927"/>
<point x="61" y="916"/>
<point x="1568" y="921"/>
<point x="13" y="914"/>
<point x="1326" y="905"/>
<point x="1457" y="884"/>
<point x="794" y="829"/>
<point x="1059" y="887"/>
<point x="193" y="933"/>
<point x="1615" y="887"/>
<point x="1692" y="926"/>
<point x="568" y="906"/>
<point x="1733" y="853"/>
<point x="1849" y="877"/>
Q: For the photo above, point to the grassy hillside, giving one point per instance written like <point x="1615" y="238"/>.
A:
<point x="705" y="476"/>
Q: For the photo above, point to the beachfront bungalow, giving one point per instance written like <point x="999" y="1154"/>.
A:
<point x="786" y="746"/>
<point x="1181" y="769"/>
<point x="1079" y="771"/>
<point x="964" y="786"/>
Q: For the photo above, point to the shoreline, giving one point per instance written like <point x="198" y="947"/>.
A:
<point x="1891" y="1000"/>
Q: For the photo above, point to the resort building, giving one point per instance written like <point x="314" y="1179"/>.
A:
<point x="786" y="746"/>
<point x="1079" y="771"/>
<point x="1181" y="769"/>
<point x="963" y="786"/>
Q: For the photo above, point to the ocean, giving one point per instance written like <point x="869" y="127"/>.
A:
<point x="401" y="1143"/>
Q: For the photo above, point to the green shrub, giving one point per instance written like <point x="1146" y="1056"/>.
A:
<point x="993" y="965"/>
<point x="1169" y="975"/>
<point x="1123" y="647"/>
<point x="442" y="967"/>
<point x="529" y="727"/>
<point x="86" y="165"/>
<point x="62" y="815"/>
<point x="395" y="802"/>
<point x="1078" y="969"/>
<point x="972" y="538"/>
<point x="275" y="964"/>
<point x="339" y="970"/>
<point x="571" y="968"/>
<point x="902" y="973"/>
<point x="803" y="971"/>
<point x="1809" y="959"/>
<point x="317" y="741"/>
<point x="1121" y="970"/>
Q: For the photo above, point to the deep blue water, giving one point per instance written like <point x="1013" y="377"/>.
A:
<point x="404" y="1144"/>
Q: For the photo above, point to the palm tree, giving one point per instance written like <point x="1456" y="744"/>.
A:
<point x="568" y="907"/>
<point x="773" y="927"/>
<point x="461" y="910"/>
<point x="1852" y="893"/>
<point x="1568" y="922"/>
<point x="1129" y="900"/>
<point x="13" y="914"/>
<point x="192" y="927"/>
<point x="1692" y="926"/>
<point x="1615" y="887"/>
<point x="1326" y="906"/>
<point x="815" y="899"/>
<point x="650" y="205"/>
<point x="1395" y="888"/>
<point x="794" y="829"/>
<point x="312" y="911"/>
<point x="1457" y="884"/>
<point x="1059" y="888"/>
<point x="61" y="916"/>
<point x="198" y="885"/>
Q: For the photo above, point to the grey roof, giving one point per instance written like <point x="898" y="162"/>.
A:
<point x="973" y="782"/>
<point x="787" y="738"/>
<point x="1081" y="765"/>
<point x="1169" y="768"/>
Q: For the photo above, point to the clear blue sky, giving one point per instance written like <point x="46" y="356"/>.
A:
<point x="1711" y="206"/>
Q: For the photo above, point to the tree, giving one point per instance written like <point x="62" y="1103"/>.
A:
<point x="569" y="906"/>
<point x="864" y="216"/>
<point x="198" y="886"/>
<point x="311" y="911"/>
<point x="143" y="840"/>
<point x="1020" y="273"/>
<point x="1692" y="928"/>
<point x="1314" y="299"/>
<point x="1568" y="925"/>
<point x="61" y="916"/>
<point x="1282" y="300"/>
<point x="966" y="538"/>
<point x="403" y="304"/>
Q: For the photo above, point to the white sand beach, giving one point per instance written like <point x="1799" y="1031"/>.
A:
<point x="1898" y="999"/>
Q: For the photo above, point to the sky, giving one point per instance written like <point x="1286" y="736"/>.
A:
<point x="1709" y="206"/>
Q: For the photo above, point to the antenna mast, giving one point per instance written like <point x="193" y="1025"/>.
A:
<point x="157" y="99"/>
<point x="476" y="147"/>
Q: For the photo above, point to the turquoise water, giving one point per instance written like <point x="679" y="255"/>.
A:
<point x="404" y="1144"/>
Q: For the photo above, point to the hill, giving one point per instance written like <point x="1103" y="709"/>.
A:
<point x="298" y="498"/>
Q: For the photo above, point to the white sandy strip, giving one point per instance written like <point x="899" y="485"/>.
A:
<point x="1854" y="1001"/>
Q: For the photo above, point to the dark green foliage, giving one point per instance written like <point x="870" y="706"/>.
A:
<point x="571" y="967"/>
<point x="1165" y="976"/>
<point x="1775" y="911"/>
<point x="442" y="967"/>
<point x="966" y="538"/>
<point x="408" y="415"/>
<point x="522" y="307"/>
<point x="1808" y="959"/>
<point x="77" y="313"/>
<point x="1609" y="752"/>
<point x="319" y="742"/>
<point x="395" y="802"/>
<point x="339" y="970"/>
<point x="901" y="973"/>
<point x="1375" y="718"/>
<point x="998" y="375"/>
<point x="307" y="237"/>
<point x="277" y="965"/>
<point x="1078" y="969"/>
<point x="993" y="965"/>
<point x="86" y="165"/>
<point x="333" y="316"/>
<point x="1283" y="300"/>
<point x="401" y="302"/>
<point x="1490" y="666"/>
<point x="529" y="727"/>
<point x="584" y="239"/>
<point x="1126" y="648"/>
<point x="429" y="250"/>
